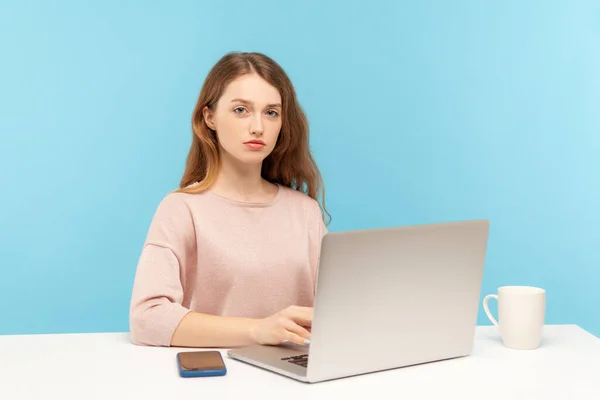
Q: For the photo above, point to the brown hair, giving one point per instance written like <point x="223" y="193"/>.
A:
<point x="290" y="164"/>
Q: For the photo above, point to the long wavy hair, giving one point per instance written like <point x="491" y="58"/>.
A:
<point x="290" y="164"/>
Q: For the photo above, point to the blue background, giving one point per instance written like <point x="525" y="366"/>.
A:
<point x="422" y="112"/>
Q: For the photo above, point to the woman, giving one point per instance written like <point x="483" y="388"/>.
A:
<point x="231" y="257"/>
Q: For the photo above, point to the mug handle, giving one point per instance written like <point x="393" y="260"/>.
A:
<point x="487" y="310"/>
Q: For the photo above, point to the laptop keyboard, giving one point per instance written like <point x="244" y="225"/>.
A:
<point x="301" y="360"/>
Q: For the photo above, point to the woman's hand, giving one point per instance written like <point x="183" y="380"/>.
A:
<point x="287" y="325"/>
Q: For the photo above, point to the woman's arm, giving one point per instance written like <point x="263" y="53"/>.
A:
<point x="157" y="317"/>
<point x="156" y="302"/>
<point x="203" y="330"/>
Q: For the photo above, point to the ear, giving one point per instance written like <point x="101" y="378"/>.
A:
<point x="208" y="118"/>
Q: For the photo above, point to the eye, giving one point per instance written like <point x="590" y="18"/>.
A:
<point x="239" y="110"/>
<point x="272" y="113"/>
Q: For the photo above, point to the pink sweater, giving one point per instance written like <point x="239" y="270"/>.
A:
<point x="223" y="257"/>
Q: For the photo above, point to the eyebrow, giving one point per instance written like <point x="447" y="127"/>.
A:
<point x="250" y="102"/>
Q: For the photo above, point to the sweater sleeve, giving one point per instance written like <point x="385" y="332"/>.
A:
<point x="156" y="303"/>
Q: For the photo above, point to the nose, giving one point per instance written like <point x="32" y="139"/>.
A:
<point x="256" y="125"/>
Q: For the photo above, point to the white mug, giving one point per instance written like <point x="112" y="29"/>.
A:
<point x="521" y="311"/>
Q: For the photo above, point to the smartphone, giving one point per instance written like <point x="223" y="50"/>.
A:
<point x="200" y="363"/>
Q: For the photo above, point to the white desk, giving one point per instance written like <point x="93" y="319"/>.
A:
<point x="108" y="366"/>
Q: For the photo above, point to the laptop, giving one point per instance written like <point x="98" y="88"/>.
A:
<point x="386" y="298"/>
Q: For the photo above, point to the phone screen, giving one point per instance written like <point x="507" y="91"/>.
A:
<point x="201" y="360"/>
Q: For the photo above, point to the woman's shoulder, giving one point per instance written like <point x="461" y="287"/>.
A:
<point x="297" y="196"/>
<point x="179" y="201"/>
<point x="302" y="201"/>
<point x="175" y="197"/>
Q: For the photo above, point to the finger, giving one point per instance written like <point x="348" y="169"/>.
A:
<point x="297" y="329"/>
<point x="299" y="310"/>
<point x="301" y="315"/>
<point x="292" y="337"/>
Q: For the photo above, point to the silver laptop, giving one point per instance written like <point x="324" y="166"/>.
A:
<point x="387" y="298"/>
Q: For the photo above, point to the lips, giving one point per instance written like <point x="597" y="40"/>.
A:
<point x="255" y="144"/>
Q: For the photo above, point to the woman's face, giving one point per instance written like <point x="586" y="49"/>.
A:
<point x="247" y="119"/>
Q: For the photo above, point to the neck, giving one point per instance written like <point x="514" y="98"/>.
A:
<point x="242" y="182"/>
